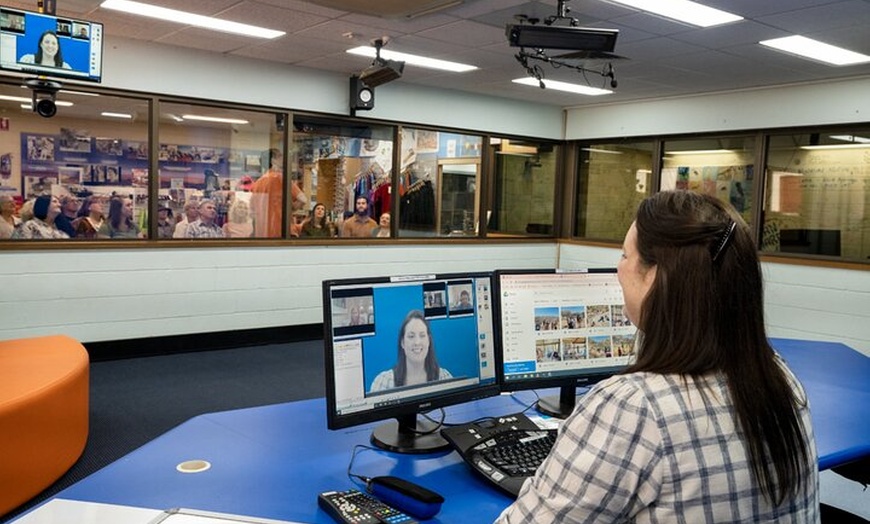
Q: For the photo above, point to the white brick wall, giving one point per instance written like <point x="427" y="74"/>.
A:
<point x="99" y="295"/>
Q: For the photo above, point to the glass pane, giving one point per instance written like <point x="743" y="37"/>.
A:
<point x="720" y="167"/>
<point x="817" y="189"/>
<point x="614" y="178"/>
<point x="525" y="187"/>
<point x="345" y="172"/>
<point x="440" y="177"/>
<point x="220" y="173"/>
<point x="76" y="174"/>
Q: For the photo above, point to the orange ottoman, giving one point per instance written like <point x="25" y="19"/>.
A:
<point x="43" y="414"/>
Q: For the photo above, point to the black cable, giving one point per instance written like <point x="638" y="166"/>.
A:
<point x="537" y="73"/>
<point x="438" y="423"/>
<point x="353" y="476"/>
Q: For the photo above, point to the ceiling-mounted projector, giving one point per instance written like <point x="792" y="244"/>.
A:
<point x="561" y="37"/>
<point x="381" y="72"/>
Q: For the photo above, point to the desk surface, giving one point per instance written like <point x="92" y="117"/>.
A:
<point x="272" y="461"/>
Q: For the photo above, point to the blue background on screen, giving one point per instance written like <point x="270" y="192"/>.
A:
<point x="76" y="52"/>
<point x="456" y="342"/>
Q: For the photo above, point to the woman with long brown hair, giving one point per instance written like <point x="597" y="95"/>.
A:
<point x="708" y="424"/>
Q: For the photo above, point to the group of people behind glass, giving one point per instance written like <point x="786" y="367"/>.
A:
<point x="68" y="216"/>
<point x="357" y="225"/>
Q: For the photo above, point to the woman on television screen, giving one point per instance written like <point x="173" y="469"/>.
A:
<point x="48" y="52"/>
<point x="416" y="362"/>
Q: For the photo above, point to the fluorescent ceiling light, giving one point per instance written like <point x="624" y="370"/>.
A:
<point x="15" y="98"/>
<point x="700" y="152"/>
<point x="421" y="61"/>
<point x="838" y="146"/>
<point x="59" y="103"/>
<point x="604" y="151"/>
<point x="815" y="50"/>
<point x="562" y="86"/>
<point x="684" y="11"/>
<point x="851" y="138"/>
<point x="27" y="101"/>
<point x="182" y="17"/>
<point x="214" y="119"/>
<point x="79" y="93"/>
<point x="116" y="115"/>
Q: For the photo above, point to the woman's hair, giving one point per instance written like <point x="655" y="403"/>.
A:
<point x="315" y="222"/>
<point x="58" y="57"/>
<point x="116" y="213"/>
<point x="239" y="211"/>
<point x="25" y="213"/>
<point x="40" y="206"/>
<point x="400" y="371"/>
<point x="704" y="313"/>
<point x="85" y="210"/>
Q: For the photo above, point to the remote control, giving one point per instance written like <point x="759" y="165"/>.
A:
<point x="355" y="507"/>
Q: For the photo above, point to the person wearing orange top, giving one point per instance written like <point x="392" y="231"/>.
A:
<point x="266" y="201"/>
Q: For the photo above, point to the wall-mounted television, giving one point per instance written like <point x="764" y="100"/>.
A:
<point x="49" y="45"/>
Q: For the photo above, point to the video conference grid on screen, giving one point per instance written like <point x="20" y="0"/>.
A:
<point x="366" y="321"/>
<point x="80" y="44"/>
<point x="562" y="323"/>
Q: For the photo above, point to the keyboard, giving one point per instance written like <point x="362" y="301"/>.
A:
<point x="505" y="451"/>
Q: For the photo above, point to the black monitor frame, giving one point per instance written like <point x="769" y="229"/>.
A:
<point x="19" y="26"/>
<point x="560" y="405"/>
<point x="405" y="432"/>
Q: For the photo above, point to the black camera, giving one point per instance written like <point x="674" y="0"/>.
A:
<point x="44" y="94"/>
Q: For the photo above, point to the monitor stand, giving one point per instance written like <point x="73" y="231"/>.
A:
<point x="559" y="406"/>
<point x="406" y="434"/>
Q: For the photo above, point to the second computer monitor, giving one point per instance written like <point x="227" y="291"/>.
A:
<point x="561" y="329"/>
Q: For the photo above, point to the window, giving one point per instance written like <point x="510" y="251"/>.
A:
<point x="817" y="187"/>
<point x="614" y="178"/>
<point x="220" y="173"/>
<point x="525" y="177"/>
<point x="347" y="168"/>
<point x="439" y="183"/>
<point x="721" y="167"/>
<point x="82" y="174"/>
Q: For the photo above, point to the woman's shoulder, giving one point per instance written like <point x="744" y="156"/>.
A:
<point x="639" y="387"/>
<point x="383" y="380"/>
<point x="443" y="374"/>
<point x="27" y="59"/>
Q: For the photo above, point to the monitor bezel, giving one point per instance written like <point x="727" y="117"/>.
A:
<point x="402" y="410"/>
<point x="563" y="381"/>
<point x="60" y="73"/>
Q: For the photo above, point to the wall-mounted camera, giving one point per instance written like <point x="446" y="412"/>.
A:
<point x="44" y="94"/>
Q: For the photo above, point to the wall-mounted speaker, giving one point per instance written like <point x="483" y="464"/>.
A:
<point x="362" y="97"/>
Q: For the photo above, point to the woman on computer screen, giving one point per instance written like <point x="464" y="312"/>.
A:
<point x="48" y="52"/>
<point x="708" y="424"/>
<point x="416" y="362"/>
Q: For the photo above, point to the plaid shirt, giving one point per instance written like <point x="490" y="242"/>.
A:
<point x="650" y="448"/>
<point x="198" y="229"/>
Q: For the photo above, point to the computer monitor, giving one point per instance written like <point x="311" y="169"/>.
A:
<point x="27" y="47"/>
<point x="560" y="329"/>
<point x="380" y="332"/>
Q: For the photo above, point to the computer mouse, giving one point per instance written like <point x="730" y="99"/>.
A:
<point x="413" y="499"/>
